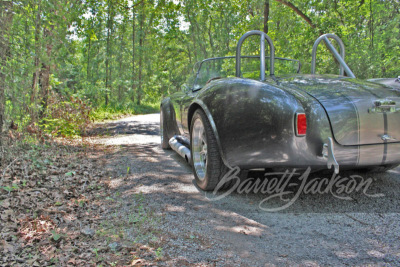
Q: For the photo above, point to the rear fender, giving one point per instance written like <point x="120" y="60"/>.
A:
<point x="170" y="117"/>
<point x="253" y="121"/>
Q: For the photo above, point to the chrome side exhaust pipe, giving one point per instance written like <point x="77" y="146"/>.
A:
<point x="181" y="149"/>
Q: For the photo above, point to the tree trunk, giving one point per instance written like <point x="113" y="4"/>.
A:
<point x="201" y="44"/>
<point x="35" y="76"/>
<point x="6" y="16"/>
<point x="133" y="50"/>
<point x="120" y="59"/>
<point x="210" y="37"/>
<point x="108" y="52"/>
<point x="133" y="54"/>
<point x="227" y="32"/>
<point x="44" y="75"/>
<point x="266" y="15"/>
<point x="189" y="53"/>
<point x="88" y="60"/>
<point x="371" y="23"/>
<point x="141" y="42"/>
<point x="193" y="35"/>
<point x="107" y="62"/>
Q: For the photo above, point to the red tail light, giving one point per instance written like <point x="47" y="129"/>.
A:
<point x="301" y="124"/>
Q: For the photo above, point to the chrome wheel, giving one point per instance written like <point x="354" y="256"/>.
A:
<point x="199" y="147"/>
<point x="207" y="164"/>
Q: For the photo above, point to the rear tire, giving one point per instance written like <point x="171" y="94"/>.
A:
<point x="163" y="131"/>
<point x="207" y="163"/>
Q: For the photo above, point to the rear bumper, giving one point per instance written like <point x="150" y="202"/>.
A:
<point x="368" y="155"/>
<point x="303" y="156"/>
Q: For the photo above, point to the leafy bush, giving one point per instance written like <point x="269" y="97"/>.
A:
<point x="66" y="117"/>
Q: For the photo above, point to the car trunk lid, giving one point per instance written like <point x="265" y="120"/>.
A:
<point x="360" y="112"/>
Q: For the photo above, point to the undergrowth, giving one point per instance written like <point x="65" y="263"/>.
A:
<point x="66" y="117"/>
<point x="72" y="116"/>
<point x="114" y="112"/>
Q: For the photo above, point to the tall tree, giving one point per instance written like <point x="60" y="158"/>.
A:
<point x="35" y="77"/>
<point x="133" y="73"/>
<point x="6" y="16"/>
<point x="133" y="77"/>
<point x="110" y="22"/>
<point x="142" y="37"/>
<point x="44" y="75"/>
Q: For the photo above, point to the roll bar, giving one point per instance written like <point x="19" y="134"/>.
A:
<point x="263" y="37"/>
<point x="339" y="57"/>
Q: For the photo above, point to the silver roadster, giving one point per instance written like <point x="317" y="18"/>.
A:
<point x="234" y="111"/>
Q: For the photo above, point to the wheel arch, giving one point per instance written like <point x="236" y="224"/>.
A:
<point x="198" y="104"/>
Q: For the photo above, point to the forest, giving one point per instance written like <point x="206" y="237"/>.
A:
<point x="67" y="63"/>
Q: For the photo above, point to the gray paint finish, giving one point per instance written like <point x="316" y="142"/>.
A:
<point x="254" y="121"/>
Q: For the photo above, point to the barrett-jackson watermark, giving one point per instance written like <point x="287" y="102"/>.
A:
<point x="287" y="187"/>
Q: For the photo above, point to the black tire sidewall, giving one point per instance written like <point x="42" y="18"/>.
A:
<point x="165" y="138"/>
<point x="214" y="161"/>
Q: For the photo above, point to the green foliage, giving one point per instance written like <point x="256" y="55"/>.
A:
<point x="159" y="253"/>
<point x="11" y="188"/>
<point x="56" y="236"/>
<point x="96" y="252"/>
<point x="111" y="112"/>
<point x="123" y="56"/>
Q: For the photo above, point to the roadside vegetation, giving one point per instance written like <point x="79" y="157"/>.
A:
<point x="114" y="112"/>
<point x="58" y="207"/>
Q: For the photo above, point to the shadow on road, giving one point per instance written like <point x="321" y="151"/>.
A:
<point x="359" y="230"/>
<point x="125" y="128"/>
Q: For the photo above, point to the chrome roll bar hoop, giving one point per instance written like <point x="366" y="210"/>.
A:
<point x="339" y="57"/>
<point x="263" y="37"/>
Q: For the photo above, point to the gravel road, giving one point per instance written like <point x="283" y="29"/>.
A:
<point x="316" y="230"/>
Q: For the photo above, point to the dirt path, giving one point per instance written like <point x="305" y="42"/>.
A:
<point x="188" y="228"/>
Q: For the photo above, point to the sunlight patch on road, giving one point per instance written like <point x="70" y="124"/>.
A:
<point x="242" y="229"/>
<point x="128" y="140"/>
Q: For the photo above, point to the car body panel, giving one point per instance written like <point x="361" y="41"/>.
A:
<point x="253" y="121"/>
<point x="394" y="83"/>
<point x="348" y="103"/>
